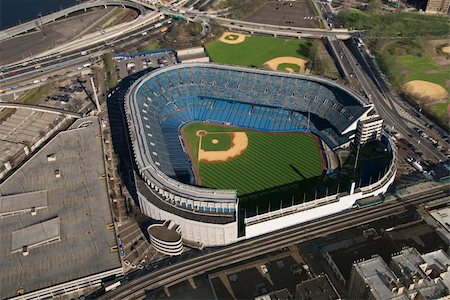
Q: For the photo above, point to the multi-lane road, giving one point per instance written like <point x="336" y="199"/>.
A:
<point x="177" y="272"/>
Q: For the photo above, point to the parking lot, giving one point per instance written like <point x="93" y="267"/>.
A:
<point x="128" y="64"/>
<point x="285" y="13"/>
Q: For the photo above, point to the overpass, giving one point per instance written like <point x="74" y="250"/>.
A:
<point x="37" y="23"/>
<point x="41" y="109"/>
<point x="251" y="27"/>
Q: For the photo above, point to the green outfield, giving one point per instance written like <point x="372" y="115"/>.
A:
<point x="269" y="160"/>
<point x="256" y="50"/>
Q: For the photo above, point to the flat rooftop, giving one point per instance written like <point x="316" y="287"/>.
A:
<point x="317" y="288"/>
<point x="75" y="197"/>
<point x="36" y="235"/>
<point x="22" y="202"/>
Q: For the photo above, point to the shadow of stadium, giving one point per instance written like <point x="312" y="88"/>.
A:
<point x="294" y="193"/>
<point x="119" y="132"/>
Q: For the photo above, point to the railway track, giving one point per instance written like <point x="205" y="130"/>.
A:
<point x="137" y="288"/>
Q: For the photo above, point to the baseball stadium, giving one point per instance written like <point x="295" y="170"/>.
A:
<point x="228" y="153"/>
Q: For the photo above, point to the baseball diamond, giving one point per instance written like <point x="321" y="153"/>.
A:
<point x="269" y="160"/>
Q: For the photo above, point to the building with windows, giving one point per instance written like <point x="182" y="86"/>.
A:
<point x="369" y="129"/>
<point x="409" y="275"/>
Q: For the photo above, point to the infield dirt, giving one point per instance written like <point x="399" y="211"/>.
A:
<point x="239" y="142"/>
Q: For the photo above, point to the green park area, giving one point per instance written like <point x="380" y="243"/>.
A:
<point x="408" y="47"/>
<point x="254" y="51"/>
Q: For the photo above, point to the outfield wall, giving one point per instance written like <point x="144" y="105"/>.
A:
<point x="306" y="212"/>
<point x="301" y="213"/>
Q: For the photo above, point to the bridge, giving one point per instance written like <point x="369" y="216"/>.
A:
<point x="251" y="27"/>
<point x="41" y="109"/>
<point x="37" y="23"/>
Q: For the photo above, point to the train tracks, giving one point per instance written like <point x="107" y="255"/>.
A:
<point x="137" y="288"/>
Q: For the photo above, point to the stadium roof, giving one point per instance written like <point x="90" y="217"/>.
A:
<point x="75" y="208"/>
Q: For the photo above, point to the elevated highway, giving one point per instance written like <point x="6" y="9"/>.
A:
<point x="37" y="23"/>
<point x="175" y="273"/>
<point x="251" y="27"/>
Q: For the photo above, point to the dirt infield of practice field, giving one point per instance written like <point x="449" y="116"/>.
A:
<point x="275" y="62"/>
<point x="232" y="38"/>
<point x="239" y="142"/>
<point x="425" y="90"/>
<point x="446" y="49"/>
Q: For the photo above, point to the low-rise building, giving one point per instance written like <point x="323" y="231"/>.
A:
<point x="409" y="275"/>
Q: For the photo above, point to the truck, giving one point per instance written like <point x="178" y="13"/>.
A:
<point x="417" y="166"/>
<point x="157" y="25"/>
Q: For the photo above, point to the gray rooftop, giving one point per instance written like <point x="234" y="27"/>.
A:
<point x="317" y="288"/>
<point x="36" y="235"/>
<point x="78" y="198"/>
<point x="22" y="202"/>
<point x="406" y="265"/>
<point x="437" y="260"/>
<point x="378" y="276"/>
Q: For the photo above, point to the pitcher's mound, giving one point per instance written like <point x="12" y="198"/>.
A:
<point x="425" y="90"/>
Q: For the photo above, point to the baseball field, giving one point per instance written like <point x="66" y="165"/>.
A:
<point x="255" y="51"/>
<point x="227" y="157"/>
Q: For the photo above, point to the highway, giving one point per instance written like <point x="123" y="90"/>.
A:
<point x="15" y="74"/>
<point x="37" y="23"/>
<point x="136" y="288"/>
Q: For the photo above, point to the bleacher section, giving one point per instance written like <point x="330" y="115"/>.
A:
<point x="167" y="99"/>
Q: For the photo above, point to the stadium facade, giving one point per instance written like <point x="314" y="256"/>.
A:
<point x="161" y="102"/>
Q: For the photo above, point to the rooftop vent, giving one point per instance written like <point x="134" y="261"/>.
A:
<point x="25" y="251"/>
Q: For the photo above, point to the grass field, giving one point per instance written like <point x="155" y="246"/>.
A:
<point x="416" y="59"/>
<point x="256" y="50"/>
<point x="222" y="142"/>
<point x="270" y="160"/>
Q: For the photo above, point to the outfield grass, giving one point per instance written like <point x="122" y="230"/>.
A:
<point x="256" y="50"/>
<point x="223" y="144"/>
<point x="270" y="160"/>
